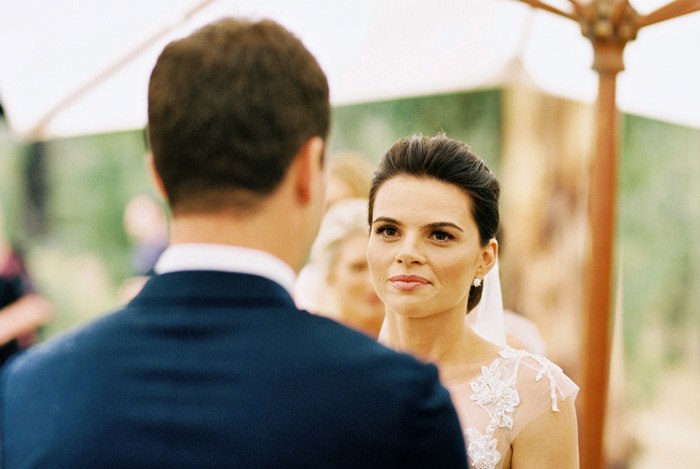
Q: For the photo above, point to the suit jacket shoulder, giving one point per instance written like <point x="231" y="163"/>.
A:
<point x="221" y="370"/>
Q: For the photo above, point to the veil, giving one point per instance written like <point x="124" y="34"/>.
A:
<point x="486" y="319"/>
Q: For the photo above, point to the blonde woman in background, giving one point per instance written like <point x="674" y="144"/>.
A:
<point x="348" y="176"/>
<point x="342" y="288"/>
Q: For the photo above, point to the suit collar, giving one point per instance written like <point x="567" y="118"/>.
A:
<point x="201" y="287"/>
<point x="219" y="257"/>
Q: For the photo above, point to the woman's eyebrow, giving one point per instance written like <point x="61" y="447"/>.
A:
<point x="442" y="224"/>
<point x="386" y="220"/>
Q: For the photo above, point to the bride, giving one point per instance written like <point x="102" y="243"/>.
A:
<point x="433" y="213"/>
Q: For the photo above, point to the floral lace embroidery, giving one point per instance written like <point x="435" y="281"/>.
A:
<point x="482" y="450"/>
<point x="494" y="390"/>
<point x="546" y="370"/>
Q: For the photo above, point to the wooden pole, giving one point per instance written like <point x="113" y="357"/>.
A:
<point x="602" y="193"/>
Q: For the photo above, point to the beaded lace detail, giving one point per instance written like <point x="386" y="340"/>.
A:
<point x="495" y="391"/>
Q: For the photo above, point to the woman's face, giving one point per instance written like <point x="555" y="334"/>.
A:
<point x="424" y="248"/>
<point x="357" y="301"/>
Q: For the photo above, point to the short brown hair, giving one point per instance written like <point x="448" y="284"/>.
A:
<point x="228" y="108"/>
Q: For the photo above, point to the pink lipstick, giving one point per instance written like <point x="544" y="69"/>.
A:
<point x="407" y="282"/>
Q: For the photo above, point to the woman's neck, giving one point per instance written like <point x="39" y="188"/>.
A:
<point x="444" y="339"/>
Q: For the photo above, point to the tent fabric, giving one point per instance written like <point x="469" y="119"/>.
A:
<point x="82" y="66"/>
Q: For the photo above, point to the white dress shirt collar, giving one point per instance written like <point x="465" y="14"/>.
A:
<point x="194" y="256"/>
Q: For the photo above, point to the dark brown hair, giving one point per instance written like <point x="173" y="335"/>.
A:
<point x="228" y="108"/>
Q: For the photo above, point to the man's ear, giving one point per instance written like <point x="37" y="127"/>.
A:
<point x="309" y="162"/>
<point x="155" y="177"/>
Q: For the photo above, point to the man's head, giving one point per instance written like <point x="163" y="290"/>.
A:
<point x="229" y="107"/>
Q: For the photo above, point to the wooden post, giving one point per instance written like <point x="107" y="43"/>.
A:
<point x="599" y="260"/>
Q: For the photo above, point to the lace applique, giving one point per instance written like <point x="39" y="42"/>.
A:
<point x="546" y="370"/>
<point x="497" y="394"/>
<point x="482" y="450"/>
<point x="494" y="390"/>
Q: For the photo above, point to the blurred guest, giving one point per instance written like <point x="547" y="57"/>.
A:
<point x="22" y="310"/>
<point x="349" y="176"/>
<point x="146" y="224"/>
<point x="523" y="333"/>
<point x="342" y="288"/>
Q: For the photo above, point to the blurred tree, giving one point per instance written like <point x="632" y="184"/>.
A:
<point x="372" y="128"/>
<point x="35" y="176"/>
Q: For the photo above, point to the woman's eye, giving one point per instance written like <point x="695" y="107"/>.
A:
<point x="442" y="236"/>
<point x="386" y="231"/>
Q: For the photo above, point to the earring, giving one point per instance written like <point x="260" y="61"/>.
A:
<point x="476" y="282"/>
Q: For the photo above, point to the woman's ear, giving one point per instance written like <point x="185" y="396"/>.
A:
<point x="489" y="253"/>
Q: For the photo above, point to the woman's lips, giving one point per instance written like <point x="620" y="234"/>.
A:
<point x="407" y="282"/>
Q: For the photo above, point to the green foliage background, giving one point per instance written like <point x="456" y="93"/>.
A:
<point x="471" y="117"/>
<point x="658" y="234"/>
<point x="83" y="258"/>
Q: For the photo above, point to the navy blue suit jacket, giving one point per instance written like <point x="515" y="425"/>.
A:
<point x="215" y="369"/>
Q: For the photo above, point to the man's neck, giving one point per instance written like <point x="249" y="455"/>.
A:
<point x="265" y="233"/>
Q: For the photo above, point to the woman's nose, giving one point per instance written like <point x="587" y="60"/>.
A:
<point x="409" y="252"/>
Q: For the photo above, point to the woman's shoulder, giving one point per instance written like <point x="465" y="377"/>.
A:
<point x="540" y="382"/>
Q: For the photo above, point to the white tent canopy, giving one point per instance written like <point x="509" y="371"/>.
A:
<point x="82" y="66"/>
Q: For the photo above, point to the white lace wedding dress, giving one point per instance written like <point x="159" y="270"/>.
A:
<point x="503" y="398"/>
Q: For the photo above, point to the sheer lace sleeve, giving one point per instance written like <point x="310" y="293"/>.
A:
<point x="504" y="398"/>
<point x="540" y="383"/>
